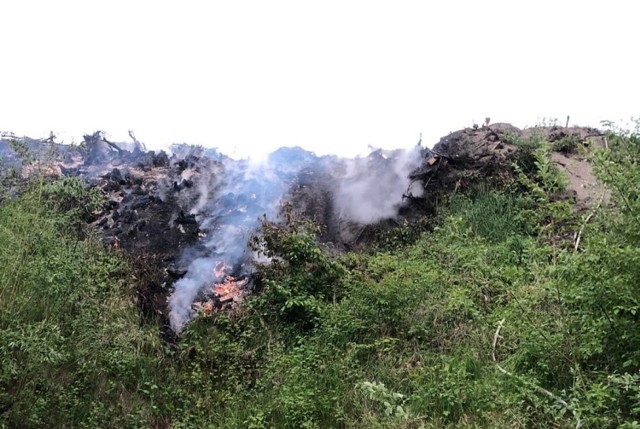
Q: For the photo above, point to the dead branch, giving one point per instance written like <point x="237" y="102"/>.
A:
<point x="51" y="138"/>
<point x="534" y="386"/>
<point x="586" y="221"/>
<point x="137" y="142"/>
<point x="360" y="233"/>
<point x="495" y="342"/>
<point x="112" y="145"/>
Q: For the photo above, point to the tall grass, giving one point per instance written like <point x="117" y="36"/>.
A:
<point x="71" y="345"/>
<point x="488" y="213"/>
<point x="404" y="336"/>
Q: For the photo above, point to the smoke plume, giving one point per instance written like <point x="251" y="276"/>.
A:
<point x="372" y="188"/>
<point x="228" y="214"/>
<point x="232" y="195"/>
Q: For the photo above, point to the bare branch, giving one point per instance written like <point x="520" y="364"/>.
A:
<point x="534" y="386"/>
<point x="586" y="221"/>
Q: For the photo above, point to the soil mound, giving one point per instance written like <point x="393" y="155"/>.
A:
<point x="162" y="207"/>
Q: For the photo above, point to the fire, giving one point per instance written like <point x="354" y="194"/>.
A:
<point x="220" y="270"/>
<point x="204" y="307"/>
<point x="228" y="291"/>
<point x="231" y="289"/>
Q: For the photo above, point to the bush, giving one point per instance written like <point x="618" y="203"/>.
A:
<point x="72" y="349"/>
<point x="401" y="336"/>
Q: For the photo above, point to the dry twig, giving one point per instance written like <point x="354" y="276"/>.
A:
<point x="586" y="221"/>
<point x="534" y="386"/>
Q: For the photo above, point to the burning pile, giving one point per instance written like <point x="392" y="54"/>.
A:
<point x="228" y="214"/>
<point x="183" y="214"/>
<point x="364" y="191"/>
<point x="226" y="293"/>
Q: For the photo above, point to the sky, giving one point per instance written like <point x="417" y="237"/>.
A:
<point x="330" y="76"/>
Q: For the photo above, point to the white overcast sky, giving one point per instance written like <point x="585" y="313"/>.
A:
<point x="331" y="76"/>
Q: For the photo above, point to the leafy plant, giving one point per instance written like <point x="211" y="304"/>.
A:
<point x="392" y="402"/>
<point x="403" y="335"/>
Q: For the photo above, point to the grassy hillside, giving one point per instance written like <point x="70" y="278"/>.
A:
<point x="510" y="309"/>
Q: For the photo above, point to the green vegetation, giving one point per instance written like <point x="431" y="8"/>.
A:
<point x="72" y="350"/>
<point x="512" y="310"/>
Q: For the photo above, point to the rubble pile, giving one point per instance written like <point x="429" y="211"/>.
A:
<point x="185" y="218"/>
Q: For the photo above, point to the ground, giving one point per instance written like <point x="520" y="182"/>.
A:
<point x="155" y="202"/>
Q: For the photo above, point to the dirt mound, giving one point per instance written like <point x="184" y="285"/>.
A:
<point x="167" y="211"/>
<point x="486" y="153"/>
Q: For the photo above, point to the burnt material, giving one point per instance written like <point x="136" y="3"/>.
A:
<point x="163" y="211"/>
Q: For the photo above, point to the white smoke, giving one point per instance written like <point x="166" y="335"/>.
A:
<point x="228" y="214"/>
<point x="186" y="290"/>
<point x="230" y="200"/>
<point x="372" y="188"/>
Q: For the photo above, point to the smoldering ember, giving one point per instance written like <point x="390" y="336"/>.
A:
<point x="187" y="214"/>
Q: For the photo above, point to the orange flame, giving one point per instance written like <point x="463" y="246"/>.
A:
<point x="204" y="307"/>
<point x="230" y="289"/>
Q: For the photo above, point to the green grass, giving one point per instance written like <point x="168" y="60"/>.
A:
<point x="72" y="350"/>
<point x="399" y="337"/>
